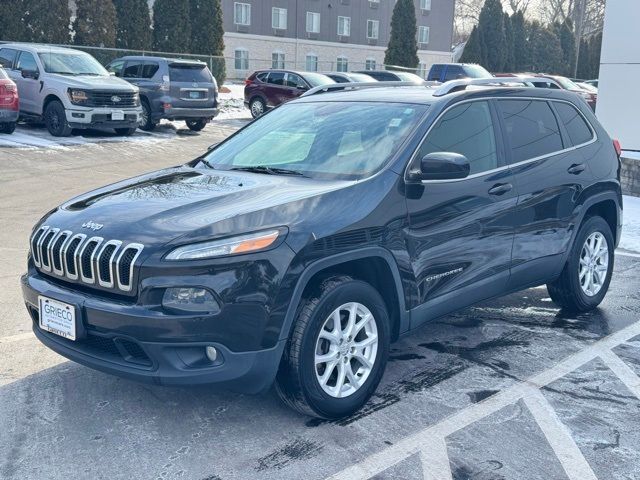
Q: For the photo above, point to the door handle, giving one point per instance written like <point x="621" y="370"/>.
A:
<point x="576" y="168"/>
<point x="500" y="188"/>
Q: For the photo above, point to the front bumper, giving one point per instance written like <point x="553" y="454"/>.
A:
<point x="175" y="361"/>
<point x="8" y="115"/>
<point x="101" y="117"/>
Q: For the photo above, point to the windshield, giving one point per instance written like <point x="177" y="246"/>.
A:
<point x="71" y="64"/>
<point x="326" y="140"/>
<point x="317" y="79"/>
<point x="189" y="73"/>
<point x="566" y="83"/>
<point x="360" y="77"/>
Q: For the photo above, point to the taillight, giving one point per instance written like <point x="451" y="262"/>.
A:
<point x="247" y="82"/>
<point x="616" y="145"/>
<point x="8" y="88"/>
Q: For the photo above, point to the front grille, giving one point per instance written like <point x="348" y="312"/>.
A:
<point x="111" y="99"/>
<point x="90" y="260"/>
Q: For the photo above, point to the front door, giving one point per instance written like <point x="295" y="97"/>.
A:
<point x="28" y="87"/>
<point x="461" y="231"/>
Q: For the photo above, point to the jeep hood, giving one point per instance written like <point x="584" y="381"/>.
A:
<point x="92" y="82"/>
<point x="181" y="204"/>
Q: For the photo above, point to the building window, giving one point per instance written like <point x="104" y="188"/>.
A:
<point x="372" y="29"/>
<point x="277" y="60"/>
<point x="313" y="22"/>
<point x="342" y="64"/>
<point x="241" y="13"/>
<point x="279" y="18"/>
<point x="312" y="62"/>
<point x="242" y="59"/>
<point x="425" y="5"/>
<point x="423" y="34"/>
<point x="370" y="64"/>
<point x="422" y="70"/>
<point x="344" y="26"/>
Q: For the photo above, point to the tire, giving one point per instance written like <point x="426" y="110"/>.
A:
<point x="197" y="125"/>
<point x="571" y="290"/>
<point x="126" y="132"/>
<point x="8" y="128"/>
<point x="146" y="122"/>
<point x="257" y="107"/>
<point x="55" y="119"/>
<point x="298" y="381"/>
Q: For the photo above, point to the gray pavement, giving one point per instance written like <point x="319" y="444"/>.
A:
<point x="513" y="388"/>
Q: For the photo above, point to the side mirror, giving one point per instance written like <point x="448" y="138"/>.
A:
<point x="34" y="74"/>
<point x="443" y="166"/>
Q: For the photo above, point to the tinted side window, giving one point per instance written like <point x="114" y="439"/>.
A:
<point x="338" y="79"/>
<point x="7" y="56"/>
<point x="466" y="129"/>
<point x="262" y="76"/>
<point x="577" y="128"/>
<point x="531" y="128"/>
<point x="116" y="67"/>
<point x="149" y="69"/>
<point x="277" y="78"/>
<point x="435" y="72"/>
<point x="453" y="72"/>
<point x="26" y="61"/>
<point x="132" y="68"/>
<point x="294" y="81"/>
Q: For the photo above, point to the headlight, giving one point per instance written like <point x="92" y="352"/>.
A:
<point x="78" y="96"/>
<point x="228" y="246"/>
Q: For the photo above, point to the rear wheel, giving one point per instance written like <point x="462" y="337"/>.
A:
<point x="9" y="127"/>
<point x="56" y="120"/>
<point x="126" y="132"/>
<point x="146" y="122"/>
<point x="257" y="107"/>
<point x="338" y="350"/>
<point x="585" y="279"/>
<point x="197" y="125"/>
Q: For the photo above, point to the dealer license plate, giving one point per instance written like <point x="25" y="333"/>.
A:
<point x="117" y="115"/>
<point x="57" y="317"/>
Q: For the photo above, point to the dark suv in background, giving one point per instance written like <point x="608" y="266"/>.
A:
<point x="266" y="89"/>
<point x="443" y="72"/>
<point x="298" y="248"/>
<point x="171" y="89"/>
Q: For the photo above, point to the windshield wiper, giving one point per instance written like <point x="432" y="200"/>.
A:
<point x="269" y="170"/>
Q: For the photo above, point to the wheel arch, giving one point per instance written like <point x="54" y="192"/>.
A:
<point x="50" y="98"/>
<point x="374" y="265"/>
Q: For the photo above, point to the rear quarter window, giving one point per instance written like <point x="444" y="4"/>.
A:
<point x="531" y="128"/>
<point x="435" y="72"/>
<point x="149" y="69"/>
<point x="577" y="127"/>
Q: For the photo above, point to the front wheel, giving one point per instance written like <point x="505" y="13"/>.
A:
<point x="126" y="132"/>
<point x="585" y="279"/>
<point x="55" y="119"/>
<point x="338" y="350"/>
<point x="197" y="125"/>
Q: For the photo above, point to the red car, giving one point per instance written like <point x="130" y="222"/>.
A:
<point x="8" y="103"/>
<point x="567" y="84"/>
<point x="266" y="89"/>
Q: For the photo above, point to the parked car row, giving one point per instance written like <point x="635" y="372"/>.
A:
<point x="69" y="89"/>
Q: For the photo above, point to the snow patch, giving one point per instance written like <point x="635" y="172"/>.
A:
<point x="630" y="239"/>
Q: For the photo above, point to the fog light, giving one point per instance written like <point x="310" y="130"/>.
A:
<point x="190" y="300"/>
<point x="211" y="352"/>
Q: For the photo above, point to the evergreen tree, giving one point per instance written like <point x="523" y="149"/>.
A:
<point x="45" y="21"/>
<point x="584" y="68"/>
<point x="11" y="26"/>
<point x="403" y="44"/>
<point x="547" y="51"/>
<point x="491" y="31"/>
<point x="595" y="46"/>
<point x="510" y="60"/>
<point x="95" y="23"/>
<point x="565" y="33"/>
<point x="171" y="27"/>
<point x="472" y="52"/>
<point x="134" y="24"/>
<point x="207" y="33"/>
<point x="520" y="51"/>
<point x="532" y="30"/>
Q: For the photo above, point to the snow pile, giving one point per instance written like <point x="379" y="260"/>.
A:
<point x="631" y="229"/>
<point x="232" y="102"/>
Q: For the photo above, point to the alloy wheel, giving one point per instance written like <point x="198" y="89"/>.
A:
<point x="346" y="350"/>
<point x="594" y="264"/>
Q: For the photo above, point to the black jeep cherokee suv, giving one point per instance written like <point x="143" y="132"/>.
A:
<point x="300" y="247"/>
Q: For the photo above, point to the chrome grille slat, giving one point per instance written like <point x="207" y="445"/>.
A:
<point x="93" y="261"/>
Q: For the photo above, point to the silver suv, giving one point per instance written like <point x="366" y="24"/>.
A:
<point x="69" y="89"/>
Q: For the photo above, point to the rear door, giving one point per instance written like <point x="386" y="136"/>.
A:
<point x="550" y="175"/>
<point x="144" y="72"/>
<point x="191" y="85"/>
<point x="461" y="231"/>
<point x="275" y="89"/>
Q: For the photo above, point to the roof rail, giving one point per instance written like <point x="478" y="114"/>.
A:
<point x="360" y="85"/>
<point x="461" y="84"/>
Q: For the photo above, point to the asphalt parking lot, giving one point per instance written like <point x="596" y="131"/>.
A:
<point x="513" y="388"/>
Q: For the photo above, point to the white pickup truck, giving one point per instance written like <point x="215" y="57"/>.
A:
<point x="69" y="89"/>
